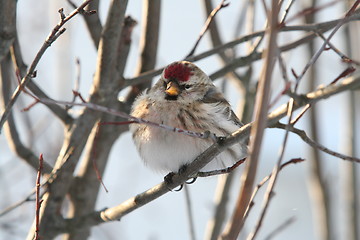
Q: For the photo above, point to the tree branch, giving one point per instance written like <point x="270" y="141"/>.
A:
<point x="7" y="26"/>
<point x="302" y="134"/>
<point x="209" y="20"/>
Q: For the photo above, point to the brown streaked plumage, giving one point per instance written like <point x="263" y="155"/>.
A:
<point x="184" y="97"/>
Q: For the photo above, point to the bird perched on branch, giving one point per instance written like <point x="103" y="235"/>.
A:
<point x="185" y="98"/>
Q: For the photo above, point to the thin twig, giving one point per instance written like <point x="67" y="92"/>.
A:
<point x="344" y="74"/>
<point x="286" y="12"/>
<point x="94" y="157"/>
<point x="311" y="10"/>
<point x="132" y="119"/>
<point x="189" y="212"/>
<point x="28" y="198"/>
<point x="207" y="24"/>
<point x="38" y="200"/>
<point x="221" y="171"/>
<point x="345" y="58"/>
<point x="280" y="228"/>
<point x="17" y="204"/>
<point x="55" y="33"/>
<point x="274" y="175"/>
<point x="265" y="180"/>
<point x="302" y="134"/>
<point x="77" y="82"/>
<point x="299" y="116"/>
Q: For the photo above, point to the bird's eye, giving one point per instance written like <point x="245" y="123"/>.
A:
<point x="187" y="86"/>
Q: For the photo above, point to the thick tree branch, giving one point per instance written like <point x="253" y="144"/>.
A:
<point x="7" y="26"/>
<point x="148" y="45"/>
<point x="318" y="187"/>
<point x="75" y="138"/>
<point x="93" y="22"/>
<point x="85" y="187"/>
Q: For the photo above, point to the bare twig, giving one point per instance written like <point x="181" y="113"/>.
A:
<point x="222" y="194"/>
<point x="345" y="58"/>
<point x="17" y="204"/>
<point x="92" y="20"/>
<point x="224" y="56"/>
<point x="274" y="175"/>
<point x="221" y="5"/>
<point x="38" y="200"/>
<point x="94" y="157"/>
<point x="344" y="74"/>
<point x="302" y="134"/>
<point x="55" y="33"/>
<point x="189" y="212"/>
<point x="286" y="12"/>
<point x="221" y="171"/>
<point x="131" y="118"/>
<point x="265" y="180"/>
<point x="280" y="228"/>
<point x="77" y="83"/>
<point x="299" y="116"/>
<point x="312" y="10"/>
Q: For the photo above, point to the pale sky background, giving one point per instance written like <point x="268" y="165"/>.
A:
<point x="165" y="218"/>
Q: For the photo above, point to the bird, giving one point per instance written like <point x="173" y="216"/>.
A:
<point x="184" y="97"/>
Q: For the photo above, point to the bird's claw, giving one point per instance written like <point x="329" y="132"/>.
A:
<point x="191" y="181"/>
<point x="168" y="180"/>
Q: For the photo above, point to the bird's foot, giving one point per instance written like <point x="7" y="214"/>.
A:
<point x="182" y="170"/>
<point x="168" y="180"/>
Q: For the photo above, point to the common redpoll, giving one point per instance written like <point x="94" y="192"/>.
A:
<point x="185" y="98"/>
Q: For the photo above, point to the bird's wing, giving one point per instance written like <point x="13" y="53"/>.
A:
<point x="214" y="96"/>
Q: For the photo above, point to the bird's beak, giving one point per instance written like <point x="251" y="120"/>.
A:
<point x="172" y="89"/>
